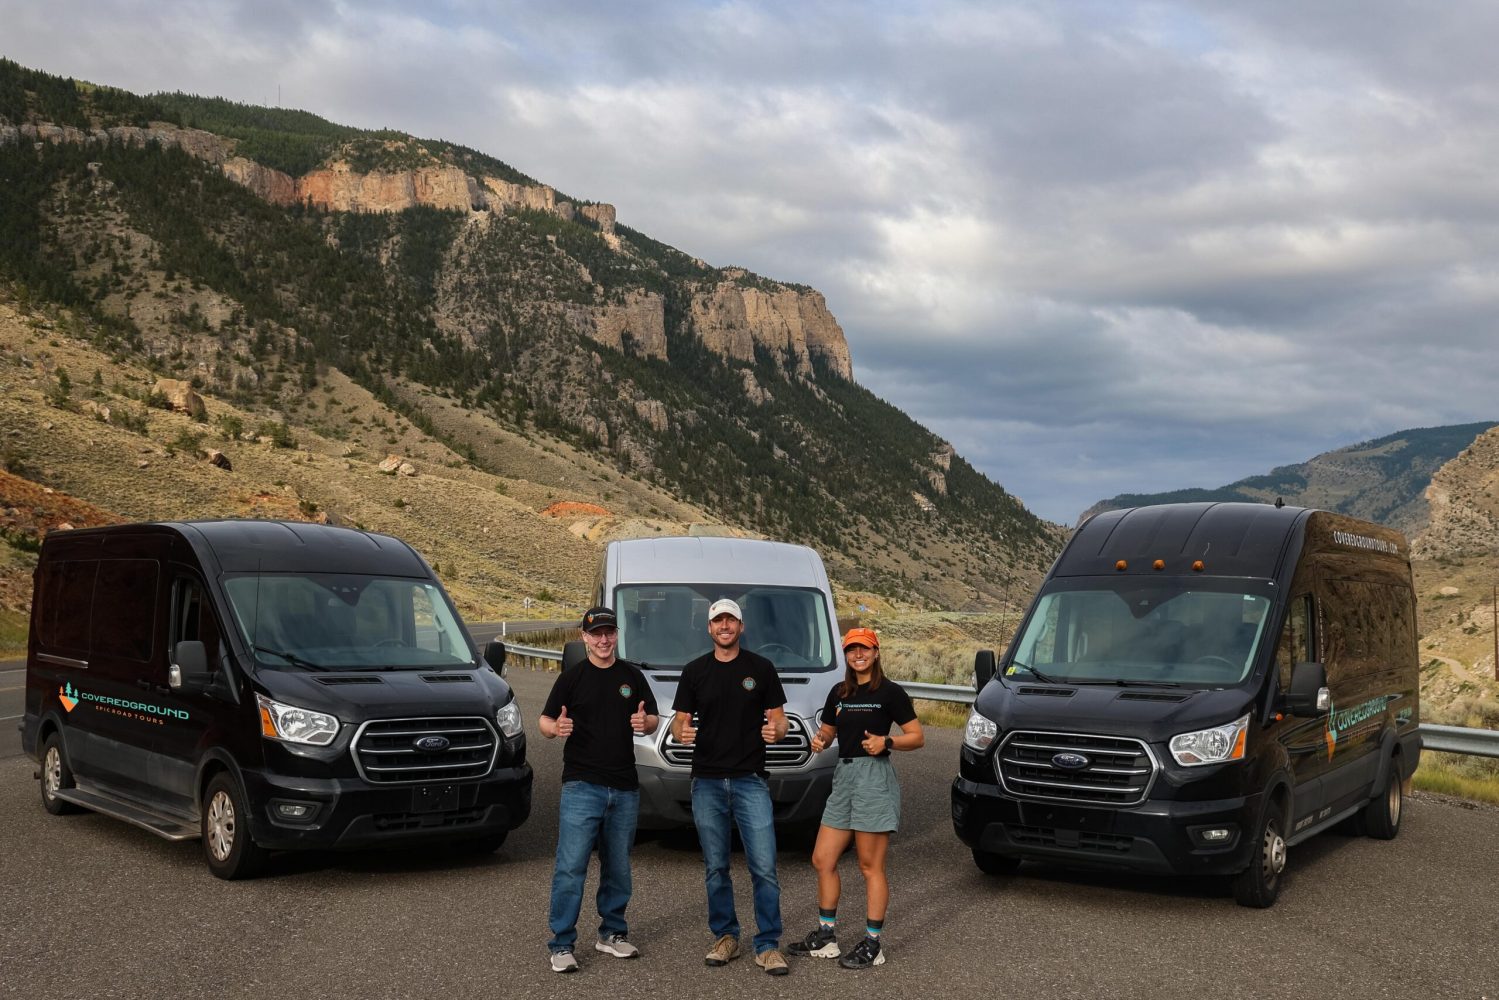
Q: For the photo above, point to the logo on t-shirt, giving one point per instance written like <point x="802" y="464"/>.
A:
<point x="624" y="690"/>
<point x="748" y="683"/>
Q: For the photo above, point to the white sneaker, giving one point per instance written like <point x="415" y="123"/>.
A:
<point x="563" y="961"/>
<point x="616" y="945"/>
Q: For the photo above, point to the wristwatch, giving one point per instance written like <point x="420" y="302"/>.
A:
<point x="889" y="744"/>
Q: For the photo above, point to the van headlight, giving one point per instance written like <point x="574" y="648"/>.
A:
<point x="1211" y="746"/>
<point x="980" y="731"/>
<point x="291" y="724"/>
<point x="508" y="719"/>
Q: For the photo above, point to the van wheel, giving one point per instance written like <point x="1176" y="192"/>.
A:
<point x="1381" y="817"/>
<point x="227" y="846"/>
<point x="991" y="863"/>
<point x="1259" y="884"/>
<point x="56" y="776"/>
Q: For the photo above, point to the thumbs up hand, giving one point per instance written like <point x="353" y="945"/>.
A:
<point x="564" y="724"/>
<point x="873" y="745"/>
<point x="637" y="721"/>
<point x="688" y="733"/>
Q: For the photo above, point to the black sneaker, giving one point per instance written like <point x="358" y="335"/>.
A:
<point x="821" y="943"/>
<point x="863" y="955"/>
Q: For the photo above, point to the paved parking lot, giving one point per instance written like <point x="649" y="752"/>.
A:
<point x="94" y="908"/>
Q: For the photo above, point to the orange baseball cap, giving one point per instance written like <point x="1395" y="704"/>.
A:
<point x="861" y="637"/>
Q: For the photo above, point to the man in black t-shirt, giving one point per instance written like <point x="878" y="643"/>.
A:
<point x="598" y="706"/>
<point x="740" y="707"/>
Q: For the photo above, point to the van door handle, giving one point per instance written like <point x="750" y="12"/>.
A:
<point x="146" y="685"/>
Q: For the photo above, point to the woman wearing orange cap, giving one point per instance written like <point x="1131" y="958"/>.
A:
<point x="865" y="803"/>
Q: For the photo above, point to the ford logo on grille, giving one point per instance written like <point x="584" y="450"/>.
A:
<point x="433" y="743"/>
<point x="1070" y="761"/>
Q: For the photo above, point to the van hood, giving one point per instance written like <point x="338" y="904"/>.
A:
<point x="357" y="696"/>
<point x="1153" y="714"/>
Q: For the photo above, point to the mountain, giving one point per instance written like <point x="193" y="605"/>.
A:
<point x="306" y="278"/>
<point x="1383" y="480"/>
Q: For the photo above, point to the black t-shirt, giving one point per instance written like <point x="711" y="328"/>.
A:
<point x="866" y="711"/>
<point x="600" y="701"/>
<point x="730" y="699"/>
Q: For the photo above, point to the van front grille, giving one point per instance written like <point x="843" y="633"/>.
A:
<point x="791" y="751"/>
<point x="387" y="751"/>
<point x="1111" y="770"/>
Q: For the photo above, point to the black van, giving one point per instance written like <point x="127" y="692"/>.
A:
<point x="266" y="686"/>
<point x="1195" y="688"/>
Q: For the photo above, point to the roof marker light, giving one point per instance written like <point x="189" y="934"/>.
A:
<point x="1159" y="564"/>
<point x="1197" y="566"/>
<point x="1121" y="565"/>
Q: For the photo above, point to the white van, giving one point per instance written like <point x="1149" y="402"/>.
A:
<point x="660" y="589"/>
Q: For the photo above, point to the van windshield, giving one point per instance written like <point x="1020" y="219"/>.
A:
<point x="667" y="625"/>
<point x="1191" y="633"/>
<point x="346" y="621"/>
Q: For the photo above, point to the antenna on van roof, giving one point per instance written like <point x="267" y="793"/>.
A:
<point x="1280" y="502"/>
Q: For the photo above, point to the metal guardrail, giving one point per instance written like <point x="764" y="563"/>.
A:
<point x="1443" y="739"/>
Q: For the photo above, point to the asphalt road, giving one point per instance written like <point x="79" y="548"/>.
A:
<point x="90" y="907"/>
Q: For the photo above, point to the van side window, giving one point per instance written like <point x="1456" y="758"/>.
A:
<point x="124" y="612"/>
<point x="192" y="618"/>
<point x="1296" y="639"/>
<point x="66" y="594"/>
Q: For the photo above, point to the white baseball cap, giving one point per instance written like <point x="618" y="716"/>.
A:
<point x="724" y="606"/>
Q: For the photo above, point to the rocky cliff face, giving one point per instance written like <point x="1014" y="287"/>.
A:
<point x="1464" y="513"/>
<point x="732" y="318"/>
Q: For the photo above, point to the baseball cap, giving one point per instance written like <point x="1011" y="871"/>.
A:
<point x="861" y="637"/>
<point x="595" y="618"/>
<point x="724" y="606"/>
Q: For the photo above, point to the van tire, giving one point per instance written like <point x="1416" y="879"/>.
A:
<point x="1258" y="885"/>
<point x="227" y="846"/>
<point x="1381" y="817"/>
<point x="991" y="863"/>
<point x="56" y="776"/>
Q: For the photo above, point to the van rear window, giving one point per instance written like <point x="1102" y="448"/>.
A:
<point x="67" y="600"/>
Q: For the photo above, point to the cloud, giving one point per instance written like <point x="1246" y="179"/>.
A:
<point x="1101" y="247"/>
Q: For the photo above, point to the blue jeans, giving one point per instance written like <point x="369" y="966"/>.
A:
<point x="744" y="802"/>
<point x="592" y="814"/>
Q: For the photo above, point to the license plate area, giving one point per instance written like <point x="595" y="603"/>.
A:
<point x="1067" y="817"/>
<point x="434" y="798"/>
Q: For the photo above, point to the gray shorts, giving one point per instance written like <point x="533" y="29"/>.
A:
<point x="865" y="796"/>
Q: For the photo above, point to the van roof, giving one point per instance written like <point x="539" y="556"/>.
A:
<point x="716" y="560"/>
<point x="243" y="546"/>
<point x="1232" y="539"/>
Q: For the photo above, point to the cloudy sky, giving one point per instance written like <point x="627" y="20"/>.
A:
<point x="1102" y="247"/>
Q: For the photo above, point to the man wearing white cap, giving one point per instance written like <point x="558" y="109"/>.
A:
<point x="740" y="708"/>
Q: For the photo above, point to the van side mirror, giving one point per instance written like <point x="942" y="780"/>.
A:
<point x="1308" y="696"/>
<point x="983" y="668"/>
<point x="494" y="655"/>
<point x="189" y="666"/>
<point x="573" y="653"/>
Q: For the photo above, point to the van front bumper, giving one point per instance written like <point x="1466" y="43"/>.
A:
<point x="666" y="797"/>
<point x="1158" y="837"/>
<point x="350" y="813"/>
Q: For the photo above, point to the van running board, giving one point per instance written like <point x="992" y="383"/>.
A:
<point x="169" y="827"/>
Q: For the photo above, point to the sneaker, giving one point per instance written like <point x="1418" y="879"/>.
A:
<point x="725" y="950"/>
<point x="563" y="961"/>
<point x="863" y="955"/>
<point x="821" y="943"/>
<point x="771" y="961"/>
<point x="616" y="945"/>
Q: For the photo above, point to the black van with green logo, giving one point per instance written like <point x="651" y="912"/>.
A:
<point x="266" y="686"/>
<point x="1196" y="688"/>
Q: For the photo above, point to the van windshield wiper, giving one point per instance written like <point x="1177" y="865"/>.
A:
<point x="294" y="660"/>
<point x="1036" y="673"/>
